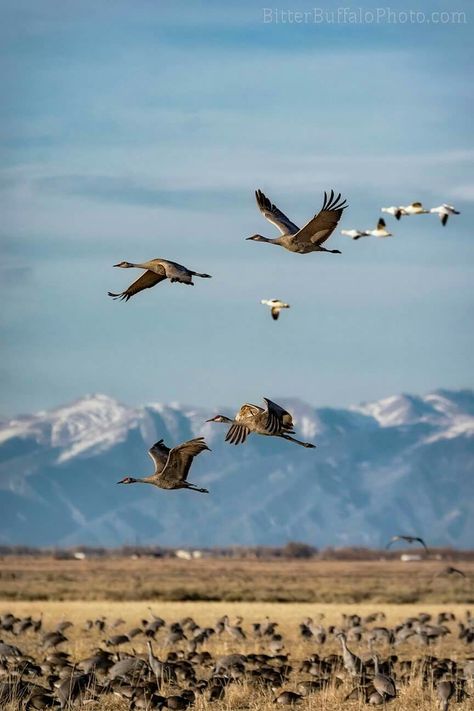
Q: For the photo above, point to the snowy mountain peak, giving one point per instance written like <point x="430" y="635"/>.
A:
<point x="403" y="463"/>
<point x="94" y="420"/>
<point x="438" y="408"/>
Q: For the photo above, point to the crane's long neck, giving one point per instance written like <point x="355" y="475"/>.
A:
<point x="343" y="643"/>
<point x="270" y="240"/>
<point x="226" y="420"/>
<point x="137" y="266"/>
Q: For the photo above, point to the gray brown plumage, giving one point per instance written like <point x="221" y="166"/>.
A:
<point x="383" y="684"/>
<point x="172" y="465"/>
<point x="309" y="238"/>
<point x="273" y="421"/>
<point x="407" y="539"/>
<point x="156" y="270"/>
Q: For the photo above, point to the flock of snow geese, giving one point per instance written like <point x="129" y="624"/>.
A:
<point x="172" y="465"/>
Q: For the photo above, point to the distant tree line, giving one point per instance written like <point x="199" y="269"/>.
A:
<point x="291" y="550"/>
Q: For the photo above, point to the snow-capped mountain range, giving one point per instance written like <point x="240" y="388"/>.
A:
<point x="400" y="465"/>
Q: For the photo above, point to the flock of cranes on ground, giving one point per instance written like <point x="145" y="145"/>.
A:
<point x="157" y="664"/>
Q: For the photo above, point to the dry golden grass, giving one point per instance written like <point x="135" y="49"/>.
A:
<point x="30" y="578"/>
<point x="241" y="695"/>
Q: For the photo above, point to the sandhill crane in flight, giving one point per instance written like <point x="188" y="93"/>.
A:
<point x="156" y="270"/>
<point x="276" y="306"/>
<point x="172" y="465"/>
<point x="272" y="422"/>
<point x="407" y="539"/>
<point x="444" y="211"/>
<point x="309" y="238"/>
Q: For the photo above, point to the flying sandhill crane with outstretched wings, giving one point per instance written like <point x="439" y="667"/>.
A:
<point x="273" y="421"/>
<point x="309" y="238"/>
<point x="407" y="539"/>
<point x="156" y="270"/>
<point x="172" y="465"/>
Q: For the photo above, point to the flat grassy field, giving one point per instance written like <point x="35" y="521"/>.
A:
<point x="312" y="581"/>
<point x="414" y="696"/>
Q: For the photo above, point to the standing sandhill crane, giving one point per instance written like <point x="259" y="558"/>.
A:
<point x="309" y="238"/>
<point x="383" y="684"/>
<point x="445" y="691"/>
<point x="276" y="306"/>
<point x="352" y="663"/>
<point x="394" y="210"/>
<point x="272" y="422"/>
<point x="408" y="539"/>
<point x="164" y="671"/>
<point x="444" y="211"/>
<point x="172" y="465"/>
<point x="156" y="270"/>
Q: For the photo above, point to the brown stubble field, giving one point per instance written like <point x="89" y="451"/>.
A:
<point x="312" y="581"/>
<point x="284" y="590"/>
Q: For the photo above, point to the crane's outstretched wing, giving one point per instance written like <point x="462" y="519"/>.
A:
<point x="277" y="417"/>
<point x="408" y="539"/>
<point x="147" y="280"/>
<point x="449" y="571"/>
<point x="159" y="453"/>
<point x="237" y="434"/>
<point x="180" y="459"/>
<point x="275" y="313"/>
<point x="274" y="215"/>
<point x="317" y="230"/>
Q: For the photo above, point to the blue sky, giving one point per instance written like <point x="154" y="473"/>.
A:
<point x="133" y="130"/>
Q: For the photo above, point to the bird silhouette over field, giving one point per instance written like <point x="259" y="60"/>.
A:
<point x="309" y="238"/>
<point x="172" y="465"/>
<point x="407" y="539"/>
<point x="449" y="570"/>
